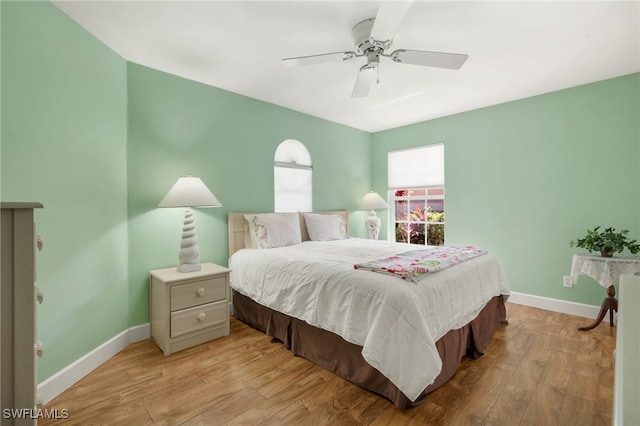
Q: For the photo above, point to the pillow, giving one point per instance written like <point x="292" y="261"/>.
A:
<point x="269" y="230"/>
<point x="249" y="237"/>
<point x="325" y="227"/>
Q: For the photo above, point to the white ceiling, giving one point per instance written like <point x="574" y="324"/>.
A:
<point x="516" y="49"/>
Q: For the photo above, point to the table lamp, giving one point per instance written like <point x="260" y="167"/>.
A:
<point x="189" y="191"/>
<point x="372" y="201"/>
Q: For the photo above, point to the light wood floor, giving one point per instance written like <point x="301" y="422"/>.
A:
<point x="539" y="370"/>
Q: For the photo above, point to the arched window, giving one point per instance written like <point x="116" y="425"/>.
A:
<point x="292" y="172"/>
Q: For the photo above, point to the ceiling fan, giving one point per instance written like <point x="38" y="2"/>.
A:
<point x="373" y="38"/>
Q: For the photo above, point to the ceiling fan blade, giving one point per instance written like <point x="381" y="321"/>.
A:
<point x="389" y="17"/>
<point x="318" y="59"/>
<point x="429" y="59"/>
<point x="367" y="75"/>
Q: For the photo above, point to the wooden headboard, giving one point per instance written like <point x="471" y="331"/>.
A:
<point x="238" y="226"/>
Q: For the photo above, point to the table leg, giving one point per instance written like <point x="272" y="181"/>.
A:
<point x="608" y="304"/>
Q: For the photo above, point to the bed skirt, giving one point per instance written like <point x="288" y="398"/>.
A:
<point x="333" y="353"/>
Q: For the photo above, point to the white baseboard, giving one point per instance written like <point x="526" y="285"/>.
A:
<point x="555" y="305"/>
<point x="65" y="378"/>
<point x="53" y="386"/>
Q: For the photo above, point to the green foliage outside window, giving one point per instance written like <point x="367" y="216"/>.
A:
<point x="414" y="232"/>
<point x="436" y="230"/>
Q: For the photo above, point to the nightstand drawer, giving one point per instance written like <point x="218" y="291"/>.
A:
<point x="198" y="293"/>
<point x="205" y="316"/>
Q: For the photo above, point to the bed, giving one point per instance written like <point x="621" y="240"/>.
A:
<point x="400" y="338"/>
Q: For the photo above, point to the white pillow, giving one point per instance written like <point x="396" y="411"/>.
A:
<point x="249" y="237"/>
<point x="269" y="230"/>
<point x="325" y="227"/>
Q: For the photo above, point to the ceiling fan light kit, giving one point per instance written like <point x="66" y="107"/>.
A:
<point x="373" y="38"/>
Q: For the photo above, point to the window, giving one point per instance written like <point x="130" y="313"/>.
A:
<point x="418" y="215"/>
<point x="292" y="177"/>
<point x="416" y="192"/>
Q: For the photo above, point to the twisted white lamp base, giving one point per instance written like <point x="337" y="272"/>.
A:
<point x="189" y="255"/>
<point x="372" y="225"/>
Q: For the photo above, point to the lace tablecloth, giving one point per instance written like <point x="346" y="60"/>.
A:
<point x="605" y="270"/>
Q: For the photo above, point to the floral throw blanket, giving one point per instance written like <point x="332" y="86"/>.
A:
<point x="413" y="265"/>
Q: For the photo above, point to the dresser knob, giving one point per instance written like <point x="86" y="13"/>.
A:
<point x="38" y="348"/>
<point x="39" y="401"/>
<point x="201" y="316"/>
<point x="200" y="292"/>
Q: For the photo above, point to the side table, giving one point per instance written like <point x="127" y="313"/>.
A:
<point x="188" y="308"/>
<point x="605" y="271"/>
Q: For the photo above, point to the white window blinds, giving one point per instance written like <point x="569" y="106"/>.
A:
<point x="416" y="167"/>
<point x="292" y="177"/>
<point x="292" y="189"/>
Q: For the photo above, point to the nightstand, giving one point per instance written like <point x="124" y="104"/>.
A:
<point x="189" y="308"/>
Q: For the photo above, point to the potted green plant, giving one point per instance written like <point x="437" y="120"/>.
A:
<point x="607" y="242"/>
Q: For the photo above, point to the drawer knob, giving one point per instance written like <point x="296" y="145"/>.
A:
<point x="39" y="401"/>
<point x="201" y="316"/>
<point x="200" y="292"/>
<point x="38" y="348"/>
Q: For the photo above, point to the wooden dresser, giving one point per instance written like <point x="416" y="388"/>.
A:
<point x="18" y="296"/>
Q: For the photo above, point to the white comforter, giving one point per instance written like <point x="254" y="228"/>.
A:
<point x="397" y="322"/>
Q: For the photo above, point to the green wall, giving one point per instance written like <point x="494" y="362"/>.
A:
<point x="64" y="119"/>
<point x="99" y="142"/>
<point x="524" y="178"/>
<point x="178" y="126"/>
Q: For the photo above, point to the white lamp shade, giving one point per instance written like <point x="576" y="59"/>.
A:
<point x="189" y="191"/>
<point x="372" y="201"/>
